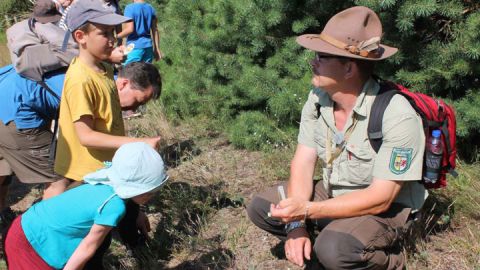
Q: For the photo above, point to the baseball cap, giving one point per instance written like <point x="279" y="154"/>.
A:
<point x="94" y="11"/>
<point x="45" y="11"/>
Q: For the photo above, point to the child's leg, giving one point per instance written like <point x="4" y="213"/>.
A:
<point x="18" y="251"/>
<point x="4" y="183"/>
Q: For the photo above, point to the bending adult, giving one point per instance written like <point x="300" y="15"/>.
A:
<point x="27" y="109"/>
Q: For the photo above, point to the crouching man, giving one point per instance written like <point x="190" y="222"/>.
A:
<point x="364" y="196"/>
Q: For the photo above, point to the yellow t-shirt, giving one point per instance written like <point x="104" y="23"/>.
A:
<point x="86" y="92"/>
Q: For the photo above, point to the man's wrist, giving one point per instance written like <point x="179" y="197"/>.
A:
<point x="294" y="225"/>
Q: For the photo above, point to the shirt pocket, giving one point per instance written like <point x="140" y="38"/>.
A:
<point x="359" y="163"/>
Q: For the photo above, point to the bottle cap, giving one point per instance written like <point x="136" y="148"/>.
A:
<point x="436" y="133"/>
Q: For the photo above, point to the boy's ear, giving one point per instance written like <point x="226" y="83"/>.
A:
<point x="79" y="36"/>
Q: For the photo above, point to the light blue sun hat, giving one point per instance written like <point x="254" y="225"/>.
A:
<point x="136" y="168"/>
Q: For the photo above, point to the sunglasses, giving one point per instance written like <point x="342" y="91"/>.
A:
<point x="319" y="56"/>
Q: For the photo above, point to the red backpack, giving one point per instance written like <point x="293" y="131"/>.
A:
<point x="435" y="114"/>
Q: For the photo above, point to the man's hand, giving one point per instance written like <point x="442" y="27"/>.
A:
<point x="290" y="209"/>
<point x="143" y="224"/>
<point x="118" y="56"/>
<point x="298" y="246"/>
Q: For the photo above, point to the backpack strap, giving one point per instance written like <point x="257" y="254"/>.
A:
<point x="53" y="143"/>
<point x="375" y="135"/>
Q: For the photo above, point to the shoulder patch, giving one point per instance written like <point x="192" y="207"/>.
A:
<point x="400" y="160"/>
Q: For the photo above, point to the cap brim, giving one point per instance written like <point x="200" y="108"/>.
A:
<point x="314" y="43"/>
<point x="110" y="19"/>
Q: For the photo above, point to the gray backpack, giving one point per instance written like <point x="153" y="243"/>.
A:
<point x="36" y="48"/>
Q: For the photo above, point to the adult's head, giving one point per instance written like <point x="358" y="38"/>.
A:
<point x="349" y="45"/>
<point x="136" y="171"/>
<point x="45" y="11"/>
<point x="137" y="83"/>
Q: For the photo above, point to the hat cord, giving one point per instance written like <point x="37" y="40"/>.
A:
<point x="367" y="48"/>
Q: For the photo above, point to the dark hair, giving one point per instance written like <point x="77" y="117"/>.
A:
<point x="365" y="67"/>
<point x="142" y="75"/>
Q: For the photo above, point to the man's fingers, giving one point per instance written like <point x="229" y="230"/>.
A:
<point x="307" y="250"/>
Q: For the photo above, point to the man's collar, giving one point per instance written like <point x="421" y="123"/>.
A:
<point x="370" y="88"/>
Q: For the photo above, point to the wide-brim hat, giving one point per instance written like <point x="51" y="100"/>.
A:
<point x="45" y="11"/>
<point x="353" y="33"/>
<point x="136" y="169"/>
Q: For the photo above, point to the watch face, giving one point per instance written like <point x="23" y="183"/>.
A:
<point x="294" y="225"/>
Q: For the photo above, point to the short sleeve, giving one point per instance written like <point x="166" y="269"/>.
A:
<point x="111" y="213"/>
<point x="401" y="155"/>
<point x="81" y="98"/>
<point x="128" y="11"/>
<point x="308" y="121"/>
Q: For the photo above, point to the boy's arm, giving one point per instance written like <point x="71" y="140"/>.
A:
<point x="89" y="137"/>
<point x="88" y="246"/>
<point x="156" y="40"/>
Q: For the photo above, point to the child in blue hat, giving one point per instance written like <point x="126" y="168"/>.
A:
<point x="65" y="231"/>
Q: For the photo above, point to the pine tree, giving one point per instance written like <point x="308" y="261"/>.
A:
<point x="230" y="60"/>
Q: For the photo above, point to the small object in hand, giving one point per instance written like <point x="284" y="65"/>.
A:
<point x="269" y="214"/>
<point x="129" y="48"/>
<point x="281" y="193"/>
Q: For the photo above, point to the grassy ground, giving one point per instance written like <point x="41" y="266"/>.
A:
<point x="201" y="223"/>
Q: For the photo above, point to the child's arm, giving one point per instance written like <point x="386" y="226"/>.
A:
<point x="127" y="29"/>
<point x="88" y="246"/>
<point x="156" y="40"/>
<point x="89" y="137"/>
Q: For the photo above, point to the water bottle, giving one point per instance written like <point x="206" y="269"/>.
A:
<point x="433" y="158"/>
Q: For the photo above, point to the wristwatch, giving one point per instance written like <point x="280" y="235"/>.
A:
<point x="289" y="227"/>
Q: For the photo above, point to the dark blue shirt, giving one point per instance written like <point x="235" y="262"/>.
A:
<point x="25" y="101"/>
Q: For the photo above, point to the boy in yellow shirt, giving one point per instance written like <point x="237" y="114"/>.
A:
<point x="91" y="125"/>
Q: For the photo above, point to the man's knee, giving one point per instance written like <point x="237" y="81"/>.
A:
<point x="256" y="210"/>
<point x="339" y="250"/>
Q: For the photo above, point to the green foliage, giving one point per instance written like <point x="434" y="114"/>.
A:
<point x="254" y="130"/>
<point x="227" y="58"/>
<point x="9" y="8"/>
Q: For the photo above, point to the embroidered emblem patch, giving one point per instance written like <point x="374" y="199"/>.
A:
<point x="400" y="160"/>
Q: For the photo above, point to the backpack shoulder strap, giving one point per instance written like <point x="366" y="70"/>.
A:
<point x="375" y="135"/>
<point x="49" y="90"/>
<point x="53" y="143"/>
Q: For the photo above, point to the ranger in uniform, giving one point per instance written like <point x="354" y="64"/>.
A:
<point x="364" y="197"/>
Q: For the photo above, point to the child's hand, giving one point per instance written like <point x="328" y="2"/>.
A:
<point x="117" y="56"/>
<point x="158" y="55"/>
<point x="143" y="224"/>
<point x="153" y="142"/>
